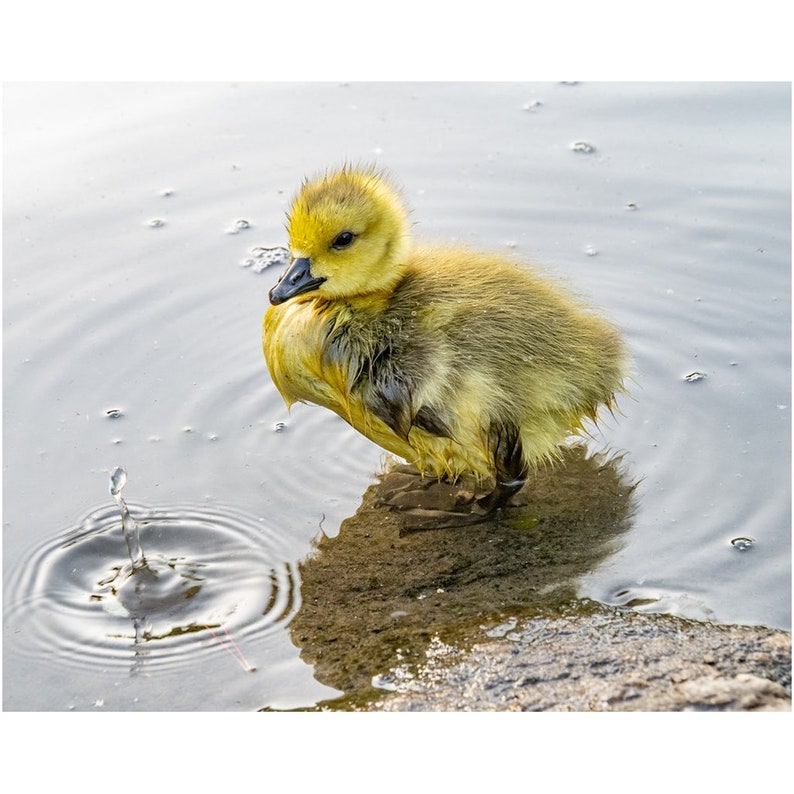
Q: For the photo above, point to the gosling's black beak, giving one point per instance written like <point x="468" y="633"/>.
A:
<point x="295" y="280"/>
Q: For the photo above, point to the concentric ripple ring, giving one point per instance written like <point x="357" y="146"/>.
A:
<point x="215" y="578"/>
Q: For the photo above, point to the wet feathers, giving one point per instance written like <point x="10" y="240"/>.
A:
<point x="458" y="361"/>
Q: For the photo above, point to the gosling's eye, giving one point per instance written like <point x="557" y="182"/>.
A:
<point x="343" y="240"/>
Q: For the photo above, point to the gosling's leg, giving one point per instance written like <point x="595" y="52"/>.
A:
<point x="500" y="496"/>
<point x="511" y="470"/>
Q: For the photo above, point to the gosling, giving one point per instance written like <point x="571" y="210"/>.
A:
<point x="461" y="363"/>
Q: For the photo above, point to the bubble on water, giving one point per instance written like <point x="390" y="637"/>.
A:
<point x="583" y="146"/>
<point x="694" y="377"/>
<point x="279" y="427"/>
<point x="631" y="205"/>
<point x="165" y="192"/>
<point x="591" y="250"/>
<point x="532" y="105"/>
<point x="742" y="544"/>
<point x="238" y="226"/>
<point x="156" y="223"/>
<point x="402" y="675"/>
<point x="262" y="258"/>
<point x="385" y="682"/>
<point x="114" y="413"/>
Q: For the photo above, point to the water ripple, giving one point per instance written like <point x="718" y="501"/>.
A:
<point x="216" y="578"/>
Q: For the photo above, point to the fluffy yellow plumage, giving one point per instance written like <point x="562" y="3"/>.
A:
<point x="458" y="362"/>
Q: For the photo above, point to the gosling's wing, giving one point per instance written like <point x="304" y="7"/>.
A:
<point x="390" y="366"/>
<point x="387" y="394"/>
<point x="393" y="393"/>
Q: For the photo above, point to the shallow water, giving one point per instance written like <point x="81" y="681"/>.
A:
<point x="131" y="335"/>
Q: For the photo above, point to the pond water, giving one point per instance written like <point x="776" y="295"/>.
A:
<point x="132" y="305"/>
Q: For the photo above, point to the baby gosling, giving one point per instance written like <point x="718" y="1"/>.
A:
<point x="457" y="361"/>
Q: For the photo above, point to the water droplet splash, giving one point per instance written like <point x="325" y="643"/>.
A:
<point x="583" y="146"/>
<point x="163" y="586"/>
<point x="215" y="584"/>
<point x="742" y="544"/>
<point x="694" y="377"/>
<point x="156" y="223"/>
<point x="118" y="479"/>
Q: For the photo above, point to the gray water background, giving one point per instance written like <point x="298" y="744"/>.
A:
<point x="131" y="336"/>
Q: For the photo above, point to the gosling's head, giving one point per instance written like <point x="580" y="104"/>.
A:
<point x="348" y="235"/>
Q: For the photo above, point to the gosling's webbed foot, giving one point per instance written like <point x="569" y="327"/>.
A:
<point x="428" y="503"/>
<point x="404" y="488"/>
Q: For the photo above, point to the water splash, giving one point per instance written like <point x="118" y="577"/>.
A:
<point x="150" y="590"/>
<point x="118" y="479"/>
<point x="210" y="604"/>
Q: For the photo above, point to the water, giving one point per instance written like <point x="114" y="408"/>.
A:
<point x="206" y="600"/>
<point x="132" y="537"/>
<point x="143" y="227"/>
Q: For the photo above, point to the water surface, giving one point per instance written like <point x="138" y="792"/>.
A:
<point x="131" y="334"/>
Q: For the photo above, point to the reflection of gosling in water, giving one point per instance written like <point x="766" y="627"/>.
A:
<point x="459" y="362"/>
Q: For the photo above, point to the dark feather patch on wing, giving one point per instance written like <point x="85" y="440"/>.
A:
<point x="386" y="375"/>
<point x="389" y="398"/>
<point x="430" y="419"/>
<point x="340" y="355"/>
